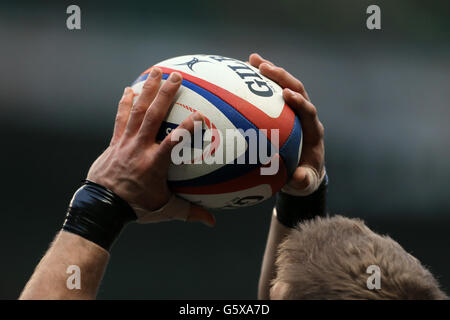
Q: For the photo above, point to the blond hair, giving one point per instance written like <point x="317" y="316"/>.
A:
<point x="327" y="258"/>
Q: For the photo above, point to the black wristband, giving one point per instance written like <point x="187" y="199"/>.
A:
<point x="97" y="214"/>
<point x="291" y="210"/>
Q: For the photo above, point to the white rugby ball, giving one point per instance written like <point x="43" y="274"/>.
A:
<point x="231" y="95"/>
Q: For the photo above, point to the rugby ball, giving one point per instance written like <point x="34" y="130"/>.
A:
<point x="230" y="168"/>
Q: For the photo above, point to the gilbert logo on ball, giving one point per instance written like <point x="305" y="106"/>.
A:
<point x="249" y="142"/>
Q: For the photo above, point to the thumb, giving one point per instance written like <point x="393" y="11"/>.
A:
<point x="300" y="179"/>
<point x="187" y="126"/>
<point x="305" y="181"/>
<point x="199" y="214"/>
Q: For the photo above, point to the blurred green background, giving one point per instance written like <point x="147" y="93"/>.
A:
<point x="383" y="97"/>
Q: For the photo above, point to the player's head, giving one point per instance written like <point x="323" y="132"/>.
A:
<point x="328" y="258"/>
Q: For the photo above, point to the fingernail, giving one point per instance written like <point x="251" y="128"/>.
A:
<point x="125" y="90"/>
<point x="175" y="77"/>
<point x="154" y="73"/>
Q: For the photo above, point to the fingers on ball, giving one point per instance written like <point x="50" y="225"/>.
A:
<point x="158" y="109"/>
<point x="139" y="109"/>
<point x="123" y="113"/>
<point x="174" y="136"/>
<point x="256" y="60"/>
<point x="298" y="102"/>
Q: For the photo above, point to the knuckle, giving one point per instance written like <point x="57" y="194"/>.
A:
<point x="149" y="89"/>
<point x="321" y="130"/>
<point x="153" y="119"/>
<point x="124" y="101"/>
<point x="119" y="118"/>
<point x="299" y="98"/>
<point x="312" y="111"/>
<point x="281" y="71"/>
<point x="165" y="92"/>
<point x="138" y="109"/>
<point x="148" y="85"/>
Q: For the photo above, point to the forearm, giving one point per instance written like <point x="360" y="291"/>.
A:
<point x="298" y="199"/>
<point x="51" y="279"/>
<point x="288" y="213"/>
<point x="276" y="235"/>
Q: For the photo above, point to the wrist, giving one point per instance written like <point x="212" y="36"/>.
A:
<point x="292" y="209"/>
<point x="97" y="214"/>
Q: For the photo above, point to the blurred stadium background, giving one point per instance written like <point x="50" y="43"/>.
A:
<point x="383" y="97"/>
